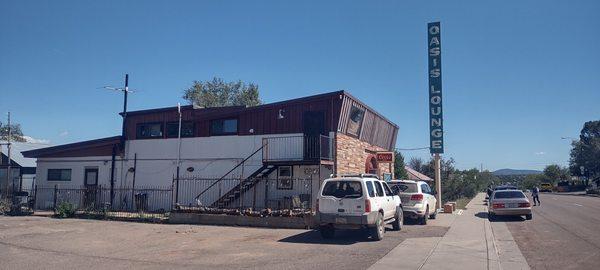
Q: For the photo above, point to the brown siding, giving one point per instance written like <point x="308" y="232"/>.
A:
<point x="375" y="129"/>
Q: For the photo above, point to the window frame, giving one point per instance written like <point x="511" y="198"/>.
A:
<point x="371" y="189"/>
<point x="378" y="190"/>
<point x="360" y="124"/>
<point x="177" y="125"/>
<point x="61" y="175"/>
<point x="387" y="190"/>
<point x="211" y="131"/>
<point x="138" y="134"/>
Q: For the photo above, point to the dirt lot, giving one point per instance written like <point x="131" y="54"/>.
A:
<point x="46" y="243"/>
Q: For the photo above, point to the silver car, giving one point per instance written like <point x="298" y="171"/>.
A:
<point x="509" y="203"/>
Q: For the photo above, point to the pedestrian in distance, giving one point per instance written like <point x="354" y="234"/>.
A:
<point x="535" y="193"/>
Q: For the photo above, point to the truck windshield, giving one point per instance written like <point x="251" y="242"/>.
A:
<point x="343" y="189"/>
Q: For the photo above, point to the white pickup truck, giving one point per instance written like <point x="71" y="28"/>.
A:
<point x="356" y="202"/>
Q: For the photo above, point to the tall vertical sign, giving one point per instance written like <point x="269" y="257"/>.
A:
<point x="436" y="126"/>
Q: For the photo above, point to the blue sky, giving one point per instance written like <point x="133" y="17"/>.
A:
<point x="518" y="75"/>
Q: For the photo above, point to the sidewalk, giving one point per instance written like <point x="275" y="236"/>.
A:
<point x="472" y="242"/>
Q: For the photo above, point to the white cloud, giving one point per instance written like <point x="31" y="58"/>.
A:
<point x="30" y="139"/>
<point x="540" y="153"/>
<point x="64" y="133"/>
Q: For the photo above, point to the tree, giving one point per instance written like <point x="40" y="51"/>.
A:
<point x="15" y="132"/>
<point x="555" y="173"/>
<point x="218" y="93"/>
<point x="416" y="164"/>
<point x="399" y="170"/>
<point x="586" y="151"/>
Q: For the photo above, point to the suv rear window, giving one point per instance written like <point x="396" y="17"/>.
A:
<point x="406" y="187"/>
<point x="509" y="195"/>
<point x="343" y="189"/>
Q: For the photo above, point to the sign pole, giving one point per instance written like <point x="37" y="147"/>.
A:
<point x="436" y="126"/>
<point x="438" y="180"/>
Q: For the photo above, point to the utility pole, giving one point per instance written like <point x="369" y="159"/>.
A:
<point x="8" y="172"/>
<point x="123" y="131"/>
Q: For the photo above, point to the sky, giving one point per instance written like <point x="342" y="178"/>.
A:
<point x="517" y="75"/>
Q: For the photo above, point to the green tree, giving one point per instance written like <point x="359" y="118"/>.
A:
<point x="218" y="93"/>
<point x="15" y="132"/>
<point x="399" y="170"/>
<point x="586" y="151"/>
<point x="555" y="173"/>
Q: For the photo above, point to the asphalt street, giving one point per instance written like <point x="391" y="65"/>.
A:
<point x="564" y="233"/>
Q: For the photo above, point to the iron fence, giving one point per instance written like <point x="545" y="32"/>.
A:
<point x="251" y="193"/>
<point x="141" y="202"/>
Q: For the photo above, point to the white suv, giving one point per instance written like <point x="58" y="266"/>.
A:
<point x="355" y="202"/>
<point x="418" y="199"/>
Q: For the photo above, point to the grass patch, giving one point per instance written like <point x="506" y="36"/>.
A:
<point x="462" y="202"/>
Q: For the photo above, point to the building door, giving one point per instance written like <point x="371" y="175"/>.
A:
<point x="314" y="127"/>
<point x="91" y="186"/>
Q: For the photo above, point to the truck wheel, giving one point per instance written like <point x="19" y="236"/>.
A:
<point x="424" y="218"/>
<point x="379" y="229"/>
<point x="397" y="224"/>
<point x="327" y="232"/>
<point x="529" y="217"/>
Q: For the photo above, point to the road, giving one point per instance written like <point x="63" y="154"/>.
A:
<point x="47" y="243"/>
<point x="564" y="233"/>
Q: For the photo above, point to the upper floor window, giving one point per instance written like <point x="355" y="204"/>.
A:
<point x="187" y="129"/>
<point x="149" y="130"/>
<point x="224" y="127"/>
<point x="355" y="121"/>
<point x="59" y="174"/>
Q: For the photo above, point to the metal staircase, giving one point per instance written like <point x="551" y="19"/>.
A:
<point x="244" y="185"/>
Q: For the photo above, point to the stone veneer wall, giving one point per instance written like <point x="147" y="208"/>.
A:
<point x="352" y="155"/>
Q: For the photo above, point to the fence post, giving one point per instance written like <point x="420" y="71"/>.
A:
<point x="241" y="195"/>
<point x="34" y="198"/>
<point x="177" y="190"/>
<point x="266" y="193"/>
<point x="55" y="193"/>
<point x="254" y="195"/>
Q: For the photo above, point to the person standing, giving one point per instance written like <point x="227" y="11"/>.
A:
<point x="535" y="193"/>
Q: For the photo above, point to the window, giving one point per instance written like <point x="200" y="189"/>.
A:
<point x="284" y="178"/>
<point x="379" y="189"/>
<point x="224" y="127"/>
<point x="343" y="189"/>
<point x="59" y="174"/>
<point x="149" y="130"/>
<point x="355" y="121"/>
<point x="187" y="129"/>
<point x="509" y="195"/>
<point x="388" y="191"/>
<point x="370" y="189"/>
<point x="407" y="187"/>
<point x="425" y="188"/>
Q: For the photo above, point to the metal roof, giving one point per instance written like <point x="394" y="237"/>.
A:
<point x="16" y="155"/>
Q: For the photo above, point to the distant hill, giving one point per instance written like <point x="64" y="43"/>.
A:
<point x="515" y="172"/>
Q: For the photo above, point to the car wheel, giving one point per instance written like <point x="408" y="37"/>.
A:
<point x="327" y="232"/>
<point x="397" y="224"/>
<point x="379" y="229"/>
<point x="424" y="218"/>
<point x="529" y="217"/>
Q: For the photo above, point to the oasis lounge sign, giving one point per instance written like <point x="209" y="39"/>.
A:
<point x="436" y="127"/>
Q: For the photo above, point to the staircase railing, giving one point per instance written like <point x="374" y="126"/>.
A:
<point x="233" y="169"/>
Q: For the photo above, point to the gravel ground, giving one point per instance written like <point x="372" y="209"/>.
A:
<point x="46" y="243"/>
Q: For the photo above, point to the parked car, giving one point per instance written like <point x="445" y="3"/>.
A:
<point x="418" y="200"/>
<point x="509" y="203"/>
<point x="505" y="187"/>
<point x="357" y="202"/>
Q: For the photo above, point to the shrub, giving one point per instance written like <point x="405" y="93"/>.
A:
<point x="65" y="210"/>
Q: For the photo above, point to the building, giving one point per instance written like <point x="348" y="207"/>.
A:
<point x="22" y="169"/>
<point x="306" y="138"/>
<point x="415" y="175"/>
